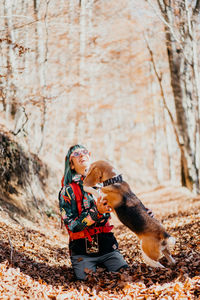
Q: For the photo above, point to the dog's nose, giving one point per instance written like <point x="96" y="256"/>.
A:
<point x="86" y="171"/>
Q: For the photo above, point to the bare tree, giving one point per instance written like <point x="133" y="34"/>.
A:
<point x="180" y="23"/>
<point x="10" y="90"/>
<point x="166" y="115"/>
<point x="41" y="60"/>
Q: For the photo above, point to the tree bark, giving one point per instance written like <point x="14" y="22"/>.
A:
<point x="181" y="59"/>
<point x="10" y="93"/>
<point x="158" y="164"/>
<point x="41" y="60"/>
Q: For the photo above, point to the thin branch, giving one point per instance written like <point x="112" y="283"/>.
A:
<point x="170" y="28"/>
<point x="46" y="29"/>
<point x="24" y="25"/>
<point x="189" y="20"/>
<point x="35" y="21"/>
<point x="159" y="77"/>
<point x="44" y="74"/>
<point x="164" y="21"/>
<point x="18" y="16"/>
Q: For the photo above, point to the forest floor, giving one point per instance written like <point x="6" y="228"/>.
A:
<point x="34" y="260"/>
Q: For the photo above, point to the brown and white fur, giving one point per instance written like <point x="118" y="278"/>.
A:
<point x="154" y="240"/>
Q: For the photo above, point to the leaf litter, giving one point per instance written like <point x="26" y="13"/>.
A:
<point x="35" y="263"/>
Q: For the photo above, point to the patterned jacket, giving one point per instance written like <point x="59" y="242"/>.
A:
<point x="89" y="217"/>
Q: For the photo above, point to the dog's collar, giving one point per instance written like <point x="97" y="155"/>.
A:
<point x="113" y="180"/>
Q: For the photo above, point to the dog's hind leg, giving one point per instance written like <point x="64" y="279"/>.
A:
<point x="150" y="262"/>
<point x="151" y="251"/>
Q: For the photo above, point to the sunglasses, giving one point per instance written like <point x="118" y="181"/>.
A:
<point x="78" y="153"/>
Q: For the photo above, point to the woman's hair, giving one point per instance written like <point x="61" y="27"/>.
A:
<point x="68" y="172"/>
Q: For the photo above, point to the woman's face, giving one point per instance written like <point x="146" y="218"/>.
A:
<point x="80" y="160"/>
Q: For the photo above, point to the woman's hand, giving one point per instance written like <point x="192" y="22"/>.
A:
<point x="102" y="206"/>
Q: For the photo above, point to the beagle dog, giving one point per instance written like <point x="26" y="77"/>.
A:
<point x="155" y="241"/>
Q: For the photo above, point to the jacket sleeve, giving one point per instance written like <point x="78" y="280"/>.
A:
<point x="70" y="216"/>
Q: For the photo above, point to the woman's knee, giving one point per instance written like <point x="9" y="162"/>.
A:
<point x="81" y="264"/>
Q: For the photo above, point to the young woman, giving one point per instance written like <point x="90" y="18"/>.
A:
<point x="91" y="241"/>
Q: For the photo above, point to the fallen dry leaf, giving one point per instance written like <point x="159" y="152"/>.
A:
<point x="41" y="267"/>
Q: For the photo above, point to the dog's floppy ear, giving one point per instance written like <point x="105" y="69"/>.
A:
<point x="93" y="177"/>
<point x="96" y="173"/>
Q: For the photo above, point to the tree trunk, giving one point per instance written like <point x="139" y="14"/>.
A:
<point x="41" y="59"/>
<point x="10" y="94"/>
<point x="181" y="63"/>
<point x="158" y="164"/>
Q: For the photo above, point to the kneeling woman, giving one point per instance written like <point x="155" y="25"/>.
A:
<point x="91" y="241"/>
